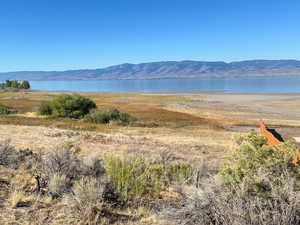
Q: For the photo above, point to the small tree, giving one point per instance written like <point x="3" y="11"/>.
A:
<point x="15" y="84"/>
<point x="8" y="83"/>
<point x="25" y="84"/>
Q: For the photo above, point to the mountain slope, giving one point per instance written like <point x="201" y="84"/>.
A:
<point x="168" y="69"/>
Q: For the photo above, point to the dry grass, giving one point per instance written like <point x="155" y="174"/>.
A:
<point x="190" y="126"/>
<point x="185" y="133"/>
<point x="20" y="199"/>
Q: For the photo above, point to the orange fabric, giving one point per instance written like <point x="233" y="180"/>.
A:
<point x="271" y="140"/>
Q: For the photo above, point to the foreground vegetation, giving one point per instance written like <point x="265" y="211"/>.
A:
<point x="260" y="186"/>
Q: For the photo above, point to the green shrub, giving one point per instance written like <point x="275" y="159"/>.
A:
<point x="72" y="106"/>
<point x="253" y="161"/>
<point x="97" y="117"/>
<point x="258" y="187"/>
<point x="105" y="117"/>
<point x="179" y="172"/>
<point x="125" y="118"/>
<point x="134" y="178"/>
<point x="4" y="110"/>
<point x="45" y="108"/>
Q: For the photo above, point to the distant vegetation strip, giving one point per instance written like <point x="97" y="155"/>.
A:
<point x="9" y="84"/>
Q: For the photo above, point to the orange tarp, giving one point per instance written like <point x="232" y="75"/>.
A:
<point x="271" y="140"/>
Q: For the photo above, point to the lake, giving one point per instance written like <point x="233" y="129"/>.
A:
<point x="229" y="85"/>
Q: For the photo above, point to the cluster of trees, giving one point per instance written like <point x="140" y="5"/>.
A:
<point x="15" y="84"/>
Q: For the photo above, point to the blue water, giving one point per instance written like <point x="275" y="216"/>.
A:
<point x="231" y="85"/>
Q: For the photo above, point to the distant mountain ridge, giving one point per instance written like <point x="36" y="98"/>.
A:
<point x="167" y="69"/>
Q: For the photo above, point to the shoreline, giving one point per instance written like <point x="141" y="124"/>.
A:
<point x="167" y="93"/>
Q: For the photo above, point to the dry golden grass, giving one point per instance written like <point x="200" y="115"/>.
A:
<point x="19" y="198"/>
<point x="191" y="127"/>
<point x="185" y="123"/>
<point x="145" y="107"/>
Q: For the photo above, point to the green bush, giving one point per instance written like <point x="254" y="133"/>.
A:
<point x="4" y="110"/>
<point x="104" y="117"/>
<point x="179" y="172"/>
<point x="72" y="106"/>
<point x="97" y="117"/>
<point x="45" y="108"/>
<point x="259" y="187"/>
<point x="253" y="161"/>
<point x="135" y="178"/>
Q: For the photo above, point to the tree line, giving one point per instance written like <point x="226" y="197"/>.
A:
<point x="15" y="84"/>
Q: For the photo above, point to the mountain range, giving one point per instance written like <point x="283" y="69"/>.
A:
<point x="167" y="69"/>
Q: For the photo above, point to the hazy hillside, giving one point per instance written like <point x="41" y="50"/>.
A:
<point x="168" y="69"/>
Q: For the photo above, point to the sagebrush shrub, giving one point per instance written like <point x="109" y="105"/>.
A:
<point x="94" y="166"/>
<point x="9" y="156"/>
<point x="58" y="184"/>
<point x="258" y="187"/>
<point x="253" y="157"/>
<point x="62" y="161"/>
<point x="217" y="205"/>
<point x="87" y="192"/>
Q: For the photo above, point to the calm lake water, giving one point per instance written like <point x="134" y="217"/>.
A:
<point x="231" y="85"/>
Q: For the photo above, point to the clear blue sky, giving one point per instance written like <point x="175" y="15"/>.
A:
<point x="73" y="34"/>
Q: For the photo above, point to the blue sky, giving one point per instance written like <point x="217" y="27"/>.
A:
<point x="77" y="34"/>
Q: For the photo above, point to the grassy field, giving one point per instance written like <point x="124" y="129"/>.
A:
<point x="195" y="129"/>
<point x="174" y="120"/>
<point x="145" y="107"/>
<point x="184" y="132"/>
